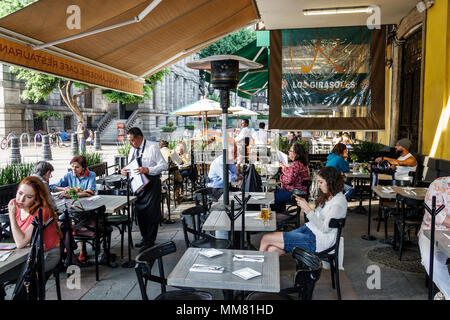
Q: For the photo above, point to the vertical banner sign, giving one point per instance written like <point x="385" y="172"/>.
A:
<point x="326" y="72"/>
<point x="121" y="132"/>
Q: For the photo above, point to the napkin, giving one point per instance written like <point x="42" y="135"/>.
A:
<point x="246" y="273"/>
<point x="93" y="198"/>
<point x="248" y="258"/>
<point x="209" y="253"/>
<point x="386" y="189"/>
<point x="205" y="268"/>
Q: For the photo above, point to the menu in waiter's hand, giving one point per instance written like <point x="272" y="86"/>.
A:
<point x="138" y="181"/>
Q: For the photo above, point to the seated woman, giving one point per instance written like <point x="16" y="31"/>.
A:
<point x="315" y="235"/>
<point x="338" y="159"/>
<point x="31" y="195"/>
<point x="293" y="176"/>
<point x="82" y="181"/>
<point x="182" y="152"/>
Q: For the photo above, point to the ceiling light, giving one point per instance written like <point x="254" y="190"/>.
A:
<point x="342" y="10"/>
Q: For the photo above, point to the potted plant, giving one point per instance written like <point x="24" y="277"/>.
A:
<point x="10" y="176"/>
<point x="367" y="150"/>
<point x="75" y="198"/>
<point x="123" y="149"/>
<point x="94" y="163"/>
<point x="170" y="128"/>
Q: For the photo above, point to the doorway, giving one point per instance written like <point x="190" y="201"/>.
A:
<point x="409" y="112"/>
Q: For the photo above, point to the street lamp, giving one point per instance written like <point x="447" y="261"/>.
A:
<point x="224" y="71"/>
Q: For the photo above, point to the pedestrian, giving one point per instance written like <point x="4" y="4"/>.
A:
<point x="148" y="205"/>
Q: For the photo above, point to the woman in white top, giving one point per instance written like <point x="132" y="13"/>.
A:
<point x="315" y="235"/>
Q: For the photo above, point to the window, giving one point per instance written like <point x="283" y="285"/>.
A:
<point x="37" y="122"/>
<point x="157" y="122"/>
<point x="68" y="123"/>
<point x="89" y="122"/>
<point x="88" y="100"/>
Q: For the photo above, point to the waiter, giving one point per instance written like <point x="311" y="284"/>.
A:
<point x="148" y="204"/>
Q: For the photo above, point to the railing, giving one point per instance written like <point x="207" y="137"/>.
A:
<point x="131" y="119"/>
<point x="104" y="121"/>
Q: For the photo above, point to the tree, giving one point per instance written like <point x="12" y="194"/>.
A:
<point x="10" y="6"/>
<point x="229" y="44"/>
<point x="149" y="86"/>
<point x="47" y="115"/>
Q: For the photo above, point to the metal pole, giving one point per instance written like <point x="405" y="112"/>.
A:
<point x="74" y="144"/>
<point x="224" y="104"/>
<point x="97" y="143"/>
<point x="15" y="156"/>
<point x="433" y="220"/>
<point x="46" y="151"/>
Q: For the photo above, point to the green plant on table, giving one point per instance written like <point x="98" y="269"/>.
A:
<point x="354" y="157"/>
<point x="73" y="193"/>
<point x="365" y="167"/>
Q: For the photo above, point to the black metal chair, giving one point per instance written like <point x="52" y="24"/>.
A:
<point x="410" y="217"/>
<point x="119" y="221"/>
<point x="308" y="271"/>
<point x="331" y="255"/>
<point x="100" y="232"/>
<point x="201" y="239"/>
<point x="144" y="265"/>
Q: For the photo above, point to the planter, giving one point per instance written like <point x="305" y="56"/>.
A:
<point x="99" y="169"/>
<point x="120" y="161"/>
<point x="7" y="192"/>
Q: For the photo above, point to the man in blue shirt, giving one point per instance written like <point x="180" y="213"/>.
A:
<point x="63" y="136"/>
<point x="215" y="174"/>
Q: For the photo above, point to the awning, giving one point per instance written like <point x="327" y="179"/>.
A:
<point x="172" y="30"/>
<point x="252" y="81"/>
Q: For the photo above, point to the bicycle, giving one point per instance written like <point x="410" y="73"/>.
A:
<point x="55" y="140"/>
<point x="4" y="144"/>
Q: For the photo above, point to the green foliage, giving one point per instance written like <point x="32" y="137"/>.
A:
<point x="367" y="147"/>
<point x="213" y="97"/>
<point x="74" y="194"/>
<point x="172" y="144"/>
<point x="229" y="44"/>
<point x="124" y="148"/>
<point x="169" y="129"/>
<point x="189" y="127"/>
<point x="9" y="6"/>
<point x="14" y="173"/>
<point x="260" y="116"/>
<point x="38" y="85"/>
<point x="304" y="144"/>
<point x="48" y="114"/>
<point x="170" y="123"/>
<point x="354" y="157"/>
<point x="92" y="157"/>
<point x="148" y="87"/>
<point x="283" y="144"/>
<point x="199" y="145"/>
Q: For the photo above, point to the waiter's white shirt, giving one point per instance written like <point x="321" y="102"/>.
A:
<point x="245" y="132"/>
<point x="152" y="157"/>
<point x="260" y="137"/>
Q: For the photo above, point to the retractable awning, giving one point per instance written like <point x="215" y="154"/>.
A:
<point x="149" y="36"/>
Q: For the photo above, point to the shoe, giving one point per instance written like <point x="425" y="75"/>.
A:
<point x="82" y="258"/>
<point x="139" y="244"/>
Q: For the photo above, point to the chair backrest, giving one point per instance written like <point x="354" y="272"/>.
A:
<point x="190" y="219"/>
<point x="309" y="269"/>
<point x="85" y="218"/>
<point x="202" y="197"/>
<point x="307" y="184"/>
<point x="337" y="224"/>
<point x="145" y="262"/>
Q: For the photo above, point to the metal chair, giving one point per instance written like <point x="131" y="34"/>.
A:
<point x="291" y="216"/>
<point x="201" y="239"/>
<point x="144" y="265"/>
<point x="331" y="255"/>
<point x="308" y="271"/>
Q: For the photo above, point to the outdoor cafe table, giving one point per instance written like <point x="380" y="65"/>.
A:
<point x="10" y="268"/>
<point x="256" y="197"/>
<point x="219" y="220"/>
<point x="112" y="203"/>
<point x="268" y="281"/>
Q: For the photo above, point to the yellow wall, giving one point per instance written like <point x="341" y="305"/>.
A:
<point x="436" y="105"/>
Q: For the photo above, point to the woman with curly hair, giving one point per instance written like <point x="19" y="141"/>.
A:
<point x="315" y="235"/>
<point x="293" y="176"/>
<point x="31" y="196"/>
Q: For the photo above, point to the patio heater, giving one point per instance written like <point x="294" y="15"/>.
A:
<point x="224" y="71"/>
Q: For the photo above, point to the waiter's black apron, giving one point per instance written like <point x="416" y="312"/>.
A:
<point x="148" y="206"/>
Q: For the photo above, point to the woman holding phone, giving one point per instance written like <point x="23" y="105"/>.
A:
<point x="315" y="235"/>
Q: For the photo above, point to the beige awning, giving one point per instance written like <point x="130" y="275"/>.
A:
<point x="172" y="30"/>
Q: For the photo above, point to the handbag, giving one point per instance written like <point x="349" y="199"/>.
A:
<point x="31" y="283"/>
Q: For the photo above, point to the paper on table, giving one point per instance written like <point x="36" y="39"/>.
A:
<point x="282" y="157"/>
<point x="8" y="246"/>
<point x="209" y="253"/>
<point x="4" y="255"/>
<point x="93" y="198"/>
<point x="248" y="258"/>
<point x="246" y="273"/>
<point x="252" y="213"/>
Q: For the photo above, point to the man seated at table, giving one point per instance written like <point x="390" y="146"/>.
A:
<point x="215" y="173"/>
<point x="439" y="188"/>
<point x="43" y="170"/>
<point x="404" y="164"/>
<point x="82" y="181"/>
